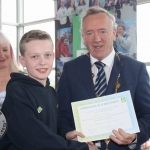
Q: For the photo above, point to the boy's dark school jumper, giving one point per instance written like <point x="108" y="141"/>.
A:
<point x="32" y="117"/>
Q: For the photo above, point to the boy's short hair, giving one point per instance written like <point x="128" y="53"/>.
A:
<point x="33" y="35"/>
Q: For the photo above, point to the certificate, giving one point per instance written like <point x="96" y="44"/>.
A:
<point x="97" y="117"/>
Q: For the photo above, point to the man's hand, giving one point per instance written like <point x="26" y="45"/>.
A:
<point x="93" y="147"/>
<point x="72" y="135"/>
<point x="122" y="138"/>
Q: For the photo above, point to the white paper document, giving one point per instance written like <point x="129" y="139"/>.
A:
<point x="97" y="117"/>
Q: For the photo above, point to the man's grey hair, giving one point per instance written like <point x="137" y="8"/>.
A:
<point x="96" y="10"/>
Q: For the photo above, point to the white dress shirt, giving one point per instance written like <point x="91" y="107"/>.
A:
<point x="108" y="61"/>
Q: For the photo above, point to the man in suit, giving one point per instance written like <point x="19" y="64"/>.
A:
<point x="98" y="30"/>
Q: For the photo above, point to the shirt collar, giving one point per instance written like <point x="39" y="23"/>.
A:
<point x="108" y="61"/>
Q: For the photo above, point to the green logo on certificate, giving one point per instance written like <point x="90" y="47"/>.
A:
<point x="123" y="99"/>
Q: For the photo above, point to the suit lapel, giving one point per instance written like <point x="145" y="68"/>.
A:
<point x="85" y="68"/>
<point x="87" y="76"/>
<point x="114" y="74"/>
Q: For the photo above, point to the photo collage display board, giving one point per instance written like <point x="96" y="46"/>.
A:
<point x="69" y="43"/>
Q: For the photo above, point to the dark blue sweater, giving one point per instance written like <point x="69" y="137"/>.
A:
<point x="32" y="117"/>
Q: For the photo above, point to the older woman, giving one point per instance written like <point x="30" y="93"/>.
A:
<point x="7" y="65"/>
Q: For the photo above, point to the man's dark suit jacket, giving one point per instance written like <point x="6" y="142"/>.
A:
<point x="76" y="84"/>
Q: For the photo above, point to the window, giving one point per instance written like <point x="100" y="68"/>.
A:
<point x="38" y="10"/>
<point x="9" y="11"/>
<point x="143" y="33"/>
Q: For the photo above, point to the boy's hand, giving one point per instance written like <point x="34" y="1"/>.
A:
<point x="90" y="143"/>
<point x="72" y="135"/>
<point x="93" y="147"/>
<point x="122" y="138"/>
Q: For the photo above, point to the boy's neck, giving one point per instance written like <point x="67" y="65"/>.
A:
<point x="43" y="82"/>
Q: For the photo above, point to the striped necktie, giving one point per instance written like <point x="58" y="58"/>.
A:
<point x="100" y="83"/>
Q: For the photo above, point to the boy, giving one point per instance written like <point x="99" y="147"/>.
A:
<point x="30" y="106"/>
